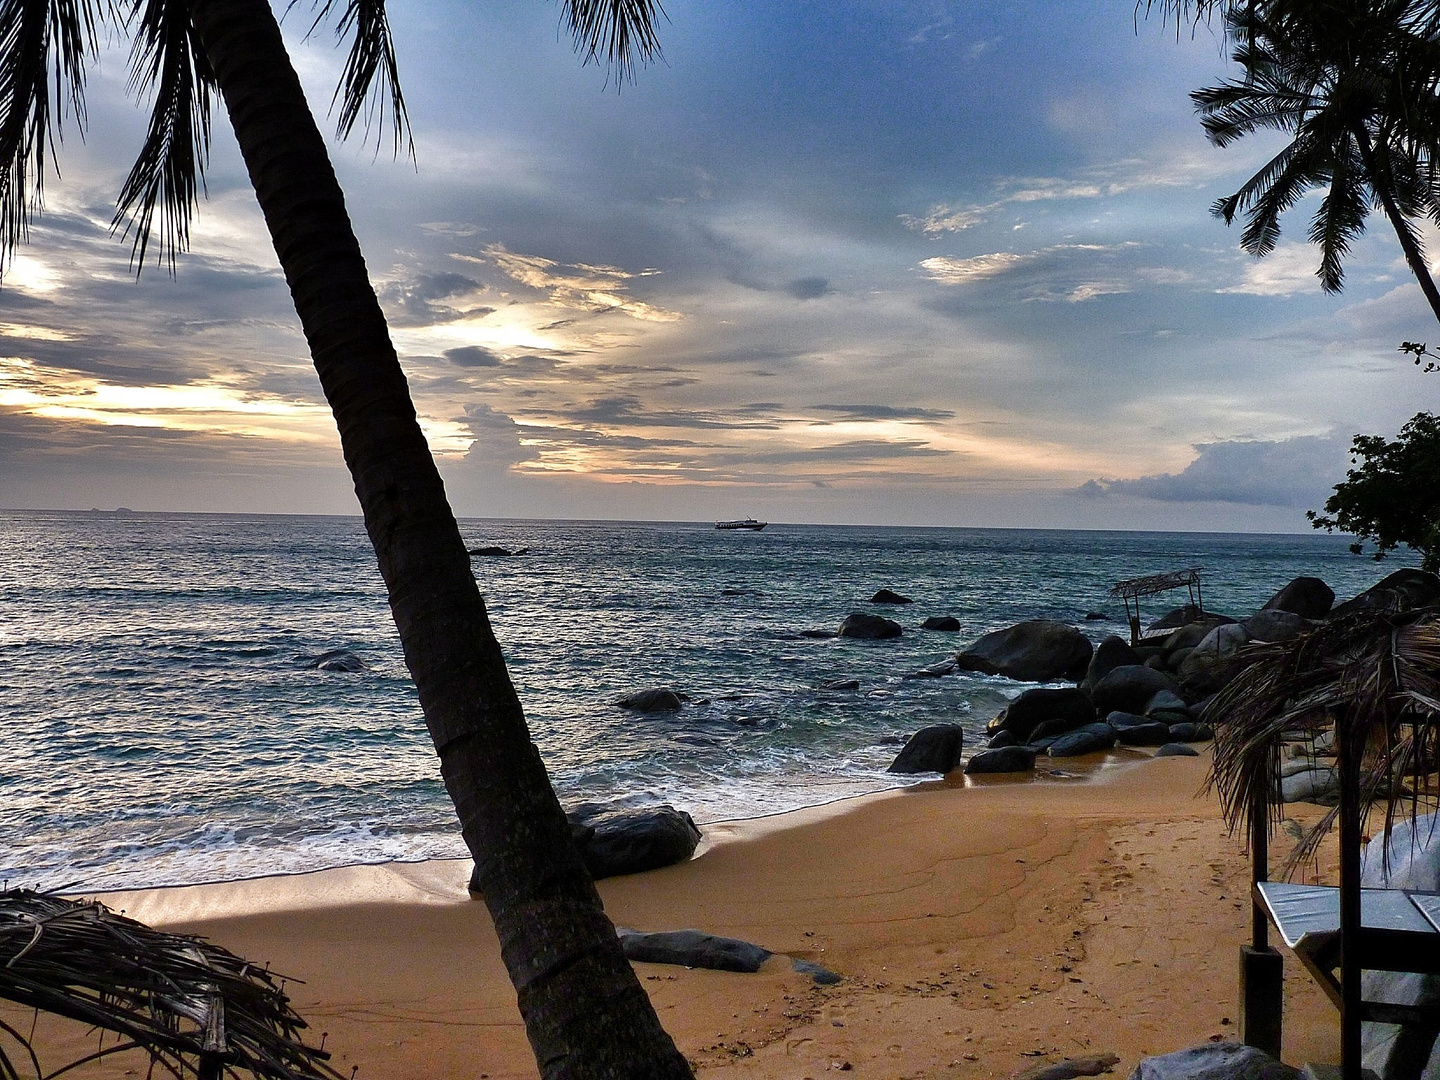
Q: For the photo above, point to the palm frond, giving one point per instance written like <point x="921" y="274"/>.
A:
<point x="166" y="60"/>
<point x="44" y="45"/>
<point x="370" y="84"/>
<point x="1340" y="219"/>
<point x="619" y="32"/>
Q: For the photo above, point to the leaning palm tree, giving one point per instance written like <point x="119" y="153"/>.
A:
<point x="585" y="1012"/>
<point x="1356" y="85"/>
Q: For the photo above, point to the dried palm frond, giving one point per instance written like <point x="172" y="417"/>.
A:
<point x="193" y="1007"/>
<point x="1373" y="677"/>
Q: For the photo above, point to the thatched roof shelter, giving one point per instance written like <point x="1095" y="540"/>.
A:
<point x="191" y="1007"/>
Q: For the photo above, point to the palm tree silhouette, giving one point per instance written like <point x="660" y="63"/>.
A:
<point x="1356" y="84"/>
<point x="585" y="1012"/>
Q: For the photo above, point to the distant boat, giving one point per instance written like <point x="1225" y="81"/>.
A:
<point x="748" y="523"/>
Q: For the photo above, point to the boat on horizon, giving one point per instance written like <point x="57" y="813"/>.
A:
<point x="746" y="523"/>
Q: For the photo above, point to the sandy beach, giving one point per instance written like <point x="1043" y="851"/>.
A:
<point x="979" y="929"/>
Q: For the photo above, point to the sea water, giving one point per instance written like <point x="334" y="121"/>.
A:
<point x="162" y="720"/>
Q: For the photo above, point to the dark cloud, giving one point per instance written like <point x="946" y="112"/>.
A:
<point x="471" y="356"/>
<point x="421" y="300"/>
<point x="623" y="409"/>
<point x="496" y="446"/>
<point x="1296" y="472"/>
<point x="808" y="288"/>
<point x="885" y="412"/>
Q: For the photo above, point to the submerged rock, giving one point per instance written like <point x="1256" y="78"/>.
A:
<point x="934" y="671"/>
<point x="886" y="596"/>
<point x="841" y="684"/>
<point x="948" y="623"/>
<point x="932" y="749"/>
<point x="1040" y="650"/>
<point x="655" y="700"/>
<point x="860" y="624"/>
<point x="628" y="841"/>
<point x="493" y="552"/>
<point x="337" y="660"/>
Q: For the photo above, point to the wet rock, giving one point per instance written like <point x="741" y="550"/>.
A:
<point x="885" y="596"/>
<point x="932" y="749"/>
<point x="654" y="700"/>
<point x="947" y="623"/>
<point x="1165" y="701"/>
<point x="1214" y="1061"/>
<point x="1308" y="597"/>
<point x="693" y="949"/>
<point x="934" y="671"/>
<point x="1118" y="719"/>
<point x="821" y="976"/>
<point x="1003" y="759"/>
<point x="337" y="660"/>
<point x="1151" y="734"/>
<point x="1096" y="616"/>
<point x="1191" y="732"/>
<point x="1089" y="739"/>
<point x="1111" y="653"/>
<point x="1040" y="650"/>
<point x="1129" y="689"/>
<point x="1002" y="739"/>
<point x="1176" y="617"/>
<point x="629" y="841"/>
<point x="497" y="552"/>
<point x="841" y="684"/>
<point x="1070" y="705"/>
<point x="1400" y="591"/>
<point x="818" y="634"/>
<point x="860" y="624"/>
<point x="1177" y="749"/>
<point x="1274" y="625"/>
<point x="1171" y="716"/>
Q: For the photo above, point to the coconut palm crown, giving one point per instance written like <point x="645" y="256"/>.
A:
<point x="585" y="1012"/>
<point x="1356" y="85"/>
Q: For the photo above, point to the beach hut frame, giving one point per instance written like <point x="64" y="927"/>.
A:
<point x="1131" y="589"/>
<point x="1373" y="679"/>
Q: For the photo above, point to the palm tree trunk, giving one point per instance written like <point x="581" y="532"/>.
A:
<point x="585" y="1012"/>
<point x="1381" y="185"/>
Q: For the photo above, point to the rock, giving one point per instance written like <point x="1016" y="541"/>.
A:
<point x="692" y="949"/>
<point x="1191" y="732"/>
<point x="656" y="700"/>
<point x="818" y="633"/>
<point x="1214" y="1061"/>
<point x="337" y="660"/>
<point x="1096" y="616"/>
<point x="1177" y="749"/>
<point x="1151" y="734"/>
<point x="1165" y="701"/>
<point x="498" y="552"/>
<point x="1043" y="704"/>
<point x="1002" y="739"/>
<point x="1086" y="740"/>
<point x="1176" y="617"/>
<point x="885" y="596"/>
<point x="1089" y="1065"/>
<point x="934" y="671"/>
<point x="948" y="623"/>
<point x="1129" y="689"/>
<point x="1004" y="759"/>
<point x="860" y="624"/>
<point x="1118" y="719"/>
<point x="1308" y="597"/>
<point x="629" y="841"/>
<point x="1111" y="653"/>
<point x="821" y="976"/>
<point x="1157" y="663"/>
<point x="1190" y="635"/>
<point x="1411" y="860"/>
<point x="840" y="684"/>
<point x="1401" y="591"/>
<point x="1274" y="625"/>
<point x="1040" y="650"/>
<point x="931" y="749"/>
<point x="1177" y="658"/>
<point x="1311" y="785"/>
<point x="1218" y="647"/>
<point x="1171" y="716"/>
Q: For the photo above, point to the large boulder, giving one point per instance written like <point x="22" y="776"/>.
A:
<point x="932" y="749"/>
<point x="861" y="624"/>
<point x="1129" y="689"/>
<point x="628" y="841"/>
<point x="1218" y="647"/>
<point x="337" y="660"/>
<point x="1004" y="759"/>
<point x="692" y="949"/>
<point x="1401" y="591"/>
<point x="1308" y="597"/>
<point x="1411" y="860"/>
<point x="1176" y="617"/>
<point x="1311" y="785"/>
<point x="656" y="700"/>
<point x="1274" y="625"/>
<point x="1039" y="650"/>
<point x="1089" y="739"/>
<point x="886" y="596"/>
<point x="1214" y="1061"/>
<point x="947" y="623"/>
<point x="1111" y="653"/>
<point x="1022" y="716"/>
<point x="1152" y="734"/>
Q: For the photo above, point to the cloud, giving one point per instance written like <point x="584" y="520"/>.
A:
<point x="808" y="288"/>
<point x="623" y="409"/>
<point x="944" y="218"/>
<point x="473" y="356"/>
<point x="582" y="286"/>
<point x="1297" y="472"/>
<point x="427" y="299"/>
<point x="949" y="271"/>
<point x="885" y="412"/>
<point x="1287" y="270"/>
<point x="495" y="439"/>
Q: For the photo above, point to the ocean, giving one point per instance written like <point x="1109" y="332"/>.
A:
<point x="161" y="720"/>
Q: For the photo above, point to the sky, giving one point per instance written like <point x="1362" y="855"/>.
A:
<point x="915" y="262"/>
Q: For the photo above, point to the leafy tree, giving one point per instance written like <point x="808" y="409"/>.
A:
<point x="1356" y="84"/>
<point x="1392" y="496"/>
<point x="585" y="1012"/>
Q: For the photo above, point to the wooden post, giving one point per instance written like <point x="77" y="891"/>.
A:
<point x="1349" y="749"/>
<point x="1262" y="971"/>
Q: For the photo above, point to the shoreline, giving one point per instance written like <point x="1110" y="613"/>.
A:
<point x="978" y="930"/>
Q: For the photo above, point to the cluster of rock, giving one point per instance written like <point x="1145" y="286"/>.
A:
<point x="867" y="626"/>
